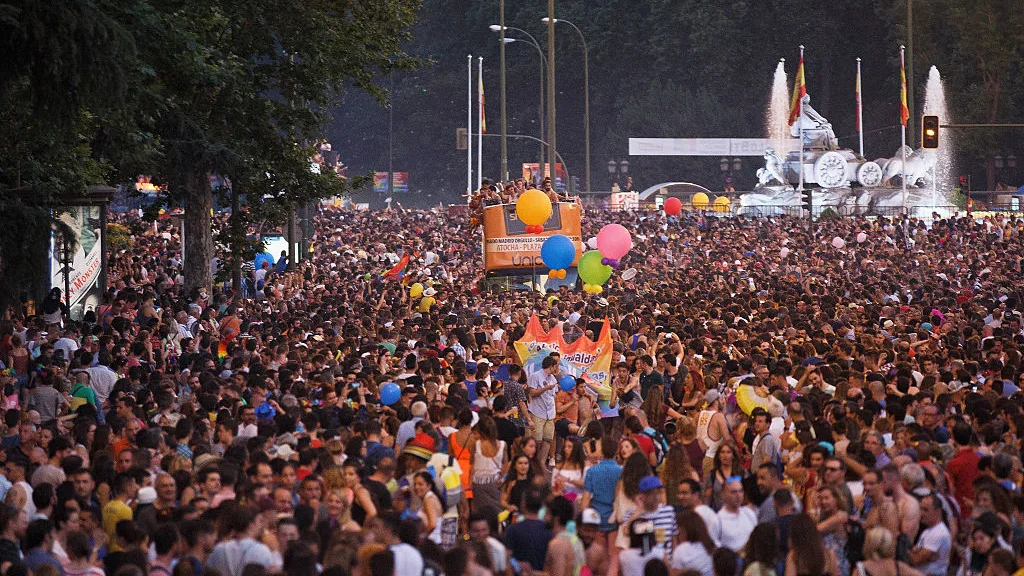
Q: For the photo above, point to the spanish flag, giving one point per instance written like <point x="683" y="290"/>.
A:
<point x="904" y="110"/>
<point x="799" y="91"/>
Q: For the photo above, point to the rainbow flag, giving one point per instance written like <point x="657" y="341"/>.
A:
<point x="398" y="270"/>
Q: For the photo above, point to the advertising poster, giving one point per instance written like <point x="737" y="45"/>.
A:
<point x="532" y="173"/>
<point x="507" y="246"/>
<point x="380" y="182"/>
<point x="86" y="266"/>
<point x="625" y="201"/>
<point x="583" y="358"/>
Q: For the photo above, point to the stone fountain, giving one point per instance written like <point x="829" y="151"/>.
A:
<point x="841" y="179"/>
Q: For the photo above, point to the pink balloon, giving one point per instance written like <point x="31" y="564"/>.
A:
<point x="614" y="241"/>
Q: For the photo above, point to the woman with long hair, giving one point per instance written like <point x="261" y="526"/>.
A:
<point x="627" y="447"/>
<point x="634" y="469"/>
<point x="762" y="551"/>
<point x="488" y="460"/>
<point x="363" y="507"/>
<point x="807" y="554"/>
<point x="880" y="556"/>
<point x="567" y="479"/>
<point x="693" y="545"/>
<point x="656" y="410"/>
<point x="686" y="437"/>
<point x="832" y="520"/>
<point x="516" y="482"/>
<point x="592" y="435"/>
<point x="431" y="510"/>
<point x="339" y="515"/>
<point x="674" y="470"/>
<point x="726" y="465"/>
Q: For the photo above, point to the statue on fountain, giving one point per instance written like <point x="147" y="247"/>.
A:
<point x="773" y="169"/>
<point x="817" y="131"/>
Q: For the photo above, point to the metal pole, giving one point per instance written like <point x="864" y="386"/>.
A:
<point x="391" y="134"/>
<point x="480" y="126"/>
<point x="903" y="139"/>
<point x="469" y="129"/>
<point x="910" y="64"/>
<point x="68" y="259"/>
<point x="504" y="121"/>
<point x="860" y="112"/>
<point x="552" y="164"/>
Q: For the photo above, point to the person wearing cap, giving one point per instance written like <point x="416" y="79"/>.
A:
<point x="712" y="429"/>
<point x="650" y="504"/>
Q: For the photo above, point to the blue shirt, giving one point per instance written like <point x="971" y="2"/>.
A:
<point x="375" y="451"/>
<point x="600" y="482"/>
<point x="36" y="557"/>
<point x="471" y="389"/>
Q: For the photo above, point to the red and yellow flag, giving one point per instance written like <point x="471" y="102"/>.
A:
<point x="799" y="91"/>
<point x="904" y="110"/>
<point x="858" y="97"/>
<point x="483" y="117"/>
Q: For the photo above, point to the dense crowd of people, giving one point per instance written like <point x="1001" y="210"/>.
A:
<point x="787" y="399"/>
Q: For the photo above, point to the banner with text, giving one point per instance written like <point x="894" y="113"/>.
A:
<point x="508" y="246"/>
<point x="583" y="358"/>
<point x="380" y="182"/>
<point x="87" y="262"/>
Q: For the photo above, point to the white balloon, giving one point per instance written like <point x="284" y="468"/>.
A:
<point x="838" y="243"/>
<point x="862" y="237"/>
<point x="592" y="243"/>
<point x="784" y="252"/>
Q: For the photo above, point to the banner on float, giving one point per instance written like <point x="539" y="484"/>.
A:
<point x="625" y="201"/>
<point x="507" y="246"/>
<point x="582" y="358"/>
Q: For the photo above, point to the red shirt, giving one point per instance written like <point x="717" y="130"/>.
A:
<point x="963" y="469"/>
<point x="645" y="443"/>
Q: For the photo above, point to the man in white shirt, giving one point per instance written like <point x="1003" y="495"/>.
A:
<point x="689" y="494"/>
<point x="68" y="344"/>
<point x="102" y="379"/>
<point x="737" y="521"/>
<point x="931" y="554"/>
<point x="541" y="392"/>
<point x="231" y="556"/>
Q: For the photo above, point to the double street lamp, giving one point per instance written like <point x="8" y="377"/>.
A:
<point x="540" y="106"/>
<point x="586" y="98"/>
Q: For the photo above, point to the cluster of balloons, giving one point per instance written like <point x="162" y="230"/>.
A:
<point x="595" y="267"/>
<point x="674" y="206"/>
<point x="533" y="209"/>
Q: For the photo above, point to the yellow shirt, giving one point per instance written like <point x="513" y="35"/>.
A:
<point x="114" y="512"/>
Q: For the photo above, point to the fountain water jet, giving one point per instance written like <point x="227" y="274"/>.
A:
<point x="777" y="115"/>
<point x="935" y="103"/>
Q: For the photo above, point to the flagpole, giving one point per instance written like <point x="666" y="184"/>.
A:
<point x="469" y="131"/>
<point x="800" y="119"/>
<point x="903" y="133"/>
<point x="860" y="112"/>
<point x="480" y="127"/>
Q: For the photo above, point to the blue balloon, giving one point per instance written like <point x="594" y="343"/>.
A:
<point x="390" y="393"/>
<point x="567" y="383"/>
<point x="263" y="257"/>
<point x="558" y="252"/>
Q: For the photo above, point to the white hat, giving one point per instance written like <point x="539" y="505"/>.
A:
<point x="284" y="452"/>
<point x="146" y="495"/>
<point x="590" y="516"/>
<point x="429" y="292"/>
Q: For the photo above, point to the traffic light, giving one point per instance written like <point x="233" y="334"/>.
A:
<point x="805" y="200"/>
<point x="930" y="131"/>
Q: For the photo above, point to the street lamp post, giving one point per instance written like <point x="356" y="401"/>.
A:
<point x="552" y="143"/>
<point x="586" y="98"/>
<point x="540" y="83"/>
<point x="504" y="123"/>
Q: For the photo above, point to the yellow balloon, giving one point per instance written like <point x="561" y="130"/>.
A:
<point x="426" y="303"/>
<point x="533" y="207"/>
<point x="416" y="290"/>
<point x="700" y="201"/>
<point x="721" y="204"/>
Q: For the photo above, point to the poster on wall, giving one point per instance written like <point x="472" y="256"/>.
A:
<point x="86" y="224"/>
<point x="380" y="182"/>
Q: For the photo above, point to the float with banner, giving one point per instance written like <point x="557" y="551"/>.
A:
<point x="509" y="248"/>
<point x="625" y="201"/>
<point x="582" y="358"/>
